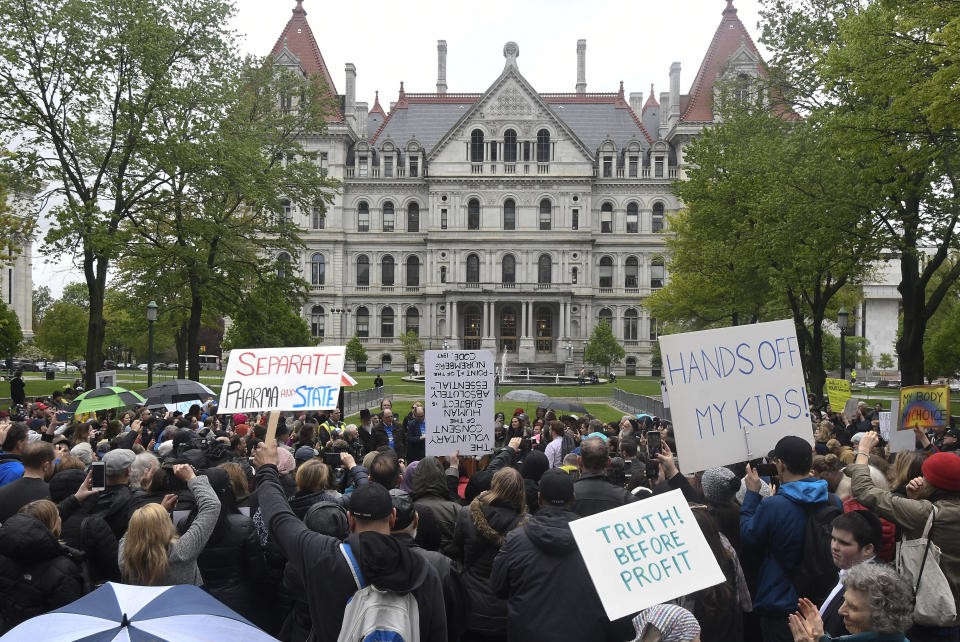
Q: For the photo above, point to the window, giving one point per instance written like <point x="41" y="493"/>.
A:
<point x="476" y="146"/>
<point x="413" y="217"/>
<point x="413" y="272"/>
<point x="443" y="274"/>
<point x="473" y="214"/>
<point x="606" y="316"/>
<point x="287" y="210"/>
<point x="742" y="95"/>
<point x="658" y="167"/>
<point x="544" y="329"/>
<point x="573" y="276"/>
<point x="631" y="277"/>
<point x="283" y="265"/>
<point x="608" y="166"/>
<point x="443" y="219"/>
<point x="510" y="146"/>
<point x="363" y="322"/>
<point x="414" y="166"/>
<point x="630" y="325"/>
<point x="362" y="166"/>
<point x="473" y="269"/>
<point x="606" y="219"/>
<point x="544" y="269"/>
<point x="509" y="269"/>
<point x="386" y="270"/>
<point x="633" y="218"/>
<point x="363" y="217"/>
<point x="493" y="150"/>
<point x="634" y="165"/>
<point x="388" y="166"/>
<point x="656" y="273"/>
<point x="509" y="214"/>
<point x="526" y="150"/>
<point x="657" y="223"/>
<point x="575" y="219"/>
<point x="363" y="270"/>
<point x="654" y="330"/>
<point x="543" y="146"/>
<point x="386" y="323"/>
<point x="413" y="321"/>
<point x="389" y="217"/>
<point x="546" y="214"/>
<point x="318" y="268"/>
<point x="323" y="162"/>
<point x="316" y="322"/>
<point x="317" y="218"/>
<point x="286" y="101"/>
<point x="606" y="272"/>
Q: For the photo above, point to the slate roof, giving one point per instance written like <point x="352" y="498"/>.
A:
<point x="594" y="123"/>
<point x="426" y="117"/>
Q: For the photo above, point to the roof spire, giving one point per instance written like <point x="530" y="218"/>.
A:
<point x="730" y="8"/>
<point x="376" y="104"/>
<point x="402" y="94"/>
<point x="299" y="10"/>
<point x="651" y="101"/>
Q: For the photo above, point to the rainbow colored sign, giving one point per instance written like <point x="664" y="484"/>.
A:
<point x="926" y="406"/>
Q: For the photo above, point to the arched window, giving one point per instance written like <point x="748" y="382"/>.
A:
<point x="631" y="276"/>
<point x="363" y="217"/>
<point x="363" y="322"/>
<point x="656" y="273"/>
<point x="631" y="366"/>
<point x="473" y="268"/>
<point x="386" y="323"/>
<point x="606" y="218"/>
<point x="413" y="321"/>
<point x="743" y="89"/>
<point x="633" y="218"/>
<point x="283" y="265"/>
<point x="544" y="269"/>
<point x="606" y="316"/>
<point x="630" y="325"/>
<point x="389" y="217"/>
<point x="476" y="146"/>
<point x="316" y="321"/>
<point x="413" y="272"/>
<point x="386" y="270"/>
<point x="318" y="269"/>
<point x="363" y="270"/>
<point x="546" y="214"/>
<point x="509" y="214"/>
<point x="543" y="146"/>
<point x="510" y="146"/>
<point x="509" y="269"/>
<point x="606" y="272"/>
<point x="473" y="214"/>
<point x="386" y="361"/>
<point x="413" y="217"/>
<point x="657" y="223"/>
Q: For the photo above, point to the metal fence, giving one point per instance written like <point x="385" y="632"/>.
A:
<point x="639" y="404"/>
<point x="354" y="400"/>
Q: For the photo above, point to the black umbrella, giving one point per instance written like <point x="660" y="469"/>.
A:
<point x="175" y="391"/>
<point x="378" y="371"/>
<point x="563" y="406"/>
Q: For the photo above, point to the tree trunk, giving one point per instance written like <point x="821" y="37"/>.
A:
<point x="180" y="341"/>
<point x="95" y="272"/>
<point x="193" y="334"/>
<point x="910" y="343"/>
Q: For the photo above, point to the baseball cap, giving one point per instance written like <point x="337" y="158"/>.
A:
<point x="371" y="502"/>
<point x="405" y="509"/>
<point x="119" y="460"/>
<point x="328" y="518"/>
<point x="556" y="487"/>
<point x="796" y="454"/>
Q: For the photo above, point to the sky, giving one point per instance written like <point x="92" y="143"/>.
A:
<point x="635" y="41"/>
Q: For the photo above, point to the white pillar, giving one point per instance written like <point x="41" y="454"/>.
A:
<point x="453" y="319"/>
<point x="523" y="318"/>
<point x="486" y="316"/>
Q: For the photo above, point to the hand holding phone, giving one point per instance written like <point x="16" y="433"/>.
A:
<point x="654" y="446"/>
<point x="98" y="475"/>
<point x="332" y="459"/>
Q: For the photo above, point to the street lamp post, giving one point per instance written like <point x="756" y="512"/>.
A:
<point x="842" y="318"/>
<point x="151" y="317"/>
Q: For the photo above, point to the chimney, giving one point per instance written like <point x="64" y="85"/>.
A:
<point x="581" y="66"/>
<point x="636" y="102"/>
<point x="350" y="96"/>
<point x="361" y="110"/>
<point x="675" y="92"/>
<point x="441" y="66"/>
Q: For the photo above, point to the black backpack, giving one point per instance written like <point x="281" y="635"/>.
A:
<point x="816" y="574"/>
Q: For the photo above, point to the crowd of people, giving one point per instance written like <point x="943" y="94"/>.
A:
<point x="334" y="531"/>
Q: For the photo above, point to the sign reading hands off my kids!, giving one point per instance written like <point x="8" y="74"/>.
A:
<point x="645" y="553"/>
<point x="733" y="387"/>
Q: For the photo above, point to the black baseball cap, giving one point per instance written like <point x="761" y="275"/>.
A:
<point x="405" y="509"/>
<point x="371" y="502"/>
<point x="795" y="453"/>
<point x="556" y="487"/>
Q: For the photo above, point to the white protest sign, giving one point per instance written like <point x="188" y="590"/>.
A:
<point x="106" y="378"/>
<point x="886" y="421"/>
<point x="734" y="386"/>
<point x="460" y="402"/>
<point x="264" y="379"/>
<point x="900" y="439"/>
<point x="182" y="406"/>
<point x="645" y="553"/>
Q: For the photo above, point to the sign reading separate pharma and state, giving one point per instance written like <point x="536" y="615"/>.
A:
<point x="733" y="387"/>
<point x="307" y="378"/>
<point x="645" y="553"/>
<point x="924" y="406"/>
<point x="838" y="393"/>
<point x="459" y="399"/>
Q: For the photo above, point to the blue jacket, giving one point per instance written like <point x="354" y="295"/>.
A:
<point x="777" y="526"/>
<point x="10" y="468"/>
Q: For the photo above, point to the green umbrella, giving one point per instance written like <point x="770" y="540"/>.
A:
<point x="105" y="398"/>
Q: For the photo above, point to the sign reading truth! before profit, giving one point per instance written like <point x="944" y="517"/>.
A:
<point x="307" y="378"/>
<point x="734" y="390"/>
<point x="459" y="402"/>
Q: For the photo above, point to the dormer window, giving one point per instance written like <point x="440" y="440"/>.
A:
<point x="362" y="165"/>
<point x="414" y="167"/>
<point x="608" y="166"/>
<point x="388" y="166"/>
<point x="658" y="167"/>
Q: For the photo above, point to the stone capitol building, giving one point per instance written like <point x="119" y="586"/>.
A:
<point x="510" y="219"/>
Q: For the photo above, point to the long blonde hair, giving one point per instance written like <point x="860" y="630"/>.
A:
<point x="149" y="534"/>
<point x="507" y="486"/>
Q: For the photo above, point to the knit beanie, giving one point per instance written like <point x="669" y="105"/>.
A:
<point x="719" y="485"/>
<point x="943" y="471"/>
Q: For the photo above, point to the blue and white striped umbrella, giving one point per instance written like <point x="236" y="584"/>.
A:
<point x="129" y="613"/>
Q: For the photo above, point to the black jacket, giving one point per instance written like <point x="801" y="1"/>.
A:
<point x="370" y="441"/>
<point x="542" y="559"/>
<point x="416" y="447"/>
<point x="115" y="504"/>
<point x="37" y="573"/>
<point x="231" y="563"/>
<point x="328" y="579"/>
<point x="18" y="391"/>
<point x="595" y="494"/>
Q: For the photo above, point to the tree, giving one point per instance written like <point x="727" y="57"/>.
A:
<point x="76" y="293"/>
<point x="885" y="362"/>
<point x="412" y="347"/>
<point x="603" y="349"/>
<point x="85" y="85"/>
<point x="16" y="227"/>
<point x="11" y="336"/>
<point x="267" y="319"/>
<point x="42" y="300"/>
<point x="62" y="333"/>
<point x="355" y="352"/>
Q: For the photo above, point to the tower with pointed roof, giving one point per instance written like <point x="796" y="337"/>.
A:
<point x="506" y="217"/>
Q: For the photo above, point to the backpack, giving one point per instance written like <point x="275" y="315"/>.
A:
<point x="567" y="446"/>
<point x="373" y="615"/>
<point x="816" y="574"/>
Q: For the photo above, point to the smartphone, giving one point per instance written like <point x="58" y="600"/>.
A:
<point x="653" y="443"/>
<point x="99" y="470"/>
<point x="526" y="443"/>
<point x="767" y="470"/>
<point x="332" y="459"/>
